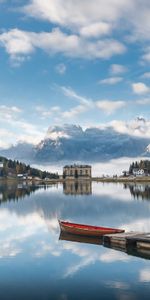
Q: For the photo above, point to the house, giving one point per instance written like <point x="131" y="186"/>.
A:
<point x="138" y="172"/>
<point x="77" y="172"/>
<point x="22" y="176"/>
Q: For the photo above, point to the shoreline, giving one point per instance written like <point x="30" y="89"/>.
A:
<point x="145" y="179"/>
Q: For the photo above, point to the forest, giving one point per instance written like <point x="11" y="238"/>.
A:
<point x="12" y="168"/>
<point x="142" y="164"/>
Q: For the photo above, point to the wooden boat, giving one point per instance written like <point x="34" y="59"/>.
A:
<point x="87" y="230"/>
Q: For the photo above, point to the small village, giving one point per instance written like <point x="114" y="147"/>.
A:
<point x="14" y="170"/>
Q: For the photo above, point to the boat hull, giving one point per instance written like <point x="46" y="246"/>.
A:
<point x="86" y="230"/>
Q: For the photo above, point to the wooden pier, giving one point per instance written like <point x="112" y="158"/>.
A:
<point x="132" y="243"/>
<point x="134" y="240"/>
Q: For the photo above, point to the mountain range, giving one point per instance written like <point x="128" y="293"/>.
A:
<point x="71" y="142"/>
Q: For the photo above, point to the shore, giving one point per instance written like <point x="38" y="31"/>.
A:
<point x="144" y="179"/>
<point x="123" y="179"/>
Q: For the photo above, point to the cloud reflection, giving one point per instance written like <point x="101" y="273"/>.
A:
<point x="145" y="275"/>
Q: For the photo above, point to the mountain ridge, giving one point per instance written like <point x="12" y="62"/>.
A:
<point x="72" y="142"/>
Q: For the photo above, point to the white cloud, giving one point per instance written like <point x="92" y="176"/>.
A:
<point x="59" y="114"/>
<point x="116" y="69"/>
<point x="5" y="143"/>
<point x="61" y="68"/>
<point x="19" y="129"/>
<point x="146" y="55"/>
<point x="85" y="103"/>
<point x="146" y="75"/>
<point x="140" y="88"/>
<point x="7" y="112"/>
<point x="17" y="43"/>
<point x="20" y="44"/>
<point x="47" y="112"/>
<point x="75" y="14"/>
<point x="137" y="127"/>
<point x="144" y="101"/>
<point x="75" y="111"/>
<point x="95" y="29"/>
<point x="69" y="92"/>
<point x="109" y="107"/>
<point x="111" y="80"/>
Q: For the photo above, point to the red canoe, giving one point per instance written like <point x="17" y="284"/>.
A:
<point x="87" y="230"/>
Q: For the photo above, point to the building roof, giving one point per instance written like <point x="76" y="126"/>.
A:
<point x="77" y="166"/>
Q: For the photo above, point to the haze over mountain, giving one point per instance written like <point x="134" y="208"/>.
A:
<point x="72" y="142"/>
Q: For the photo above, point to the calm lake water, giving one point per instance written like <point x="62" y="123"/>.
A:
<point x="36" y="264"/>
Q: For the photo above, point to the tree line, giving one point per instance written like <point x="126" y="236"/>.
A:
<point x="14" y="167"/>
<point x="142" y="164"/>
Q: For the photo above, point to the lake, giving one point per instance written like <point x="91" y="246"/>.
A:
<point x="36" y="264"/>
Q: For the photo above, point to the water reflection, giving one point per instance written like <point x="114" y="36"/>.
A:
<point x="80" y="239"/>
<point x="83" y="187"/>
<point x="45" y="268"/>
<point x="14" y="191"/>
<point x="137" y="252"/>
<point x="139" y="191"/>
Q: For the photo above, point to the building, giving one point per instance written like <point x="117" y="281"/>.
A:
<point x="77" y="172"/>
<point x="138" y="172"/>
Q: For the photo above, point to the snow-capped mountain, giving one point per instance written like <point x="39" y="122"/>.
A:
<point x="65" y="131"/>
<point x="72" y="142"/>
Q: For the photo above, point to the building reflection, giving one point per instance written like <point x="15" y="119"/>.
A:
<point x="80" y="187"/>
<point x="139" y="191"/>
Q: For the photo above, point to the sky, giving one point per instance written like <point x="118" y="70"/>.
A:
<point x="77" y="62"/>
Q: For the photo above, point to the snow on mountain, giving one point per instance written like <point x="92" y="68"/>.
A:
<point x="72" y="142"/>
<point x="65" y="131"/>
<point x="92" y="144"/>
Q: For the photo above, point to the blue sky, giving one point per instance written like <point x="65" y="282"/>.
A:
<point x="64" y="61"/>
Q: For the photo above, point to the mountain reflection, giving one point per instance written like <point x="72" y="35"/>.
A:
<point x="139" y="191"/>
<point x="77" y="187"/>
<point x="15" y="191"/>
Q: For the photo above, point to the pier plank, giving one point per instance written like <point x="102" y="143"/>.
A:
<point x="128" y="239"/>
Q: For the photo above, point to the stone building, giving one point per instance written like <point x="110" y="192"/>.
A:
<point x="77" y="172"/>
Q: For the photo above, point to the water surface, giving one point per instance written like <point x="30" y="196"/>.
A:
<point x="35" y="264"/>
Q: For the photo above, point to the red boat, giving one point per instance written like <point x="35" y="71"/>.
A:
<point x="87" y="230"/>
